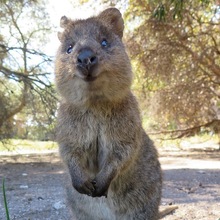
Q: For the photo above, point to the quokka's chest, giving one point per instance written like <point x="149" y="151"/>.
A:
<point x="94" y="151"/>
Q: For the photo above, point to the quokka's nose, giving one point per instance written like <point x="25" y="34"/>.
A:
<point x="87" y="58"/>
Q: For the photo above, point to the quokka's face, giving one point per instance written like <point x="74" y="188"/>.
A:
<point x="89" y="49"/>
<point x="92" y="57"/>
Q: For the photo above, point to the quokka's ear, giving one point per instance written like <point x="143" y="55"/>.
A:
<point x="112" y="18"/>
<point x="64" y="21"/>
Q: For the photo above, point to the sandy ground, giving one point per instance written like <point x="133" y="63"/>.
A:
<point x="34" y="185"/>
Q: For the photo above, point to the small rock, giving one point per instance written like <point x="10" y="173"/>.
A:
<point x="200" y="185"/>
<point x="58" y="205"/>
<point x="23" y="187"/>
<point x="24" y="174"/>
<point x="201" y="171"/>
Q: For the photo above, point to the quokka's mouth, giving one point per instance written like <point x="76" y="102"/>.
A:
<point x="89" y="78"/>
<point x="88" y="75"/>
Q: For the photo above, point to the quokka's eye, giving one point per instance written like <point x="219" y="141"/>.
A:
<point x="104" y="43"/>
<point x="70" y="48"/>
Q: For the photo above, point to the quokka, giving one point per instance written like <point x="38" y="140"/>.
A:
<point x="113" y="165"/>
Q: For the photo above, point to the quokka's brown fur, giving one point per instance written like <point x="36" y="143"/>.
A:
<point x="113" y="165"/>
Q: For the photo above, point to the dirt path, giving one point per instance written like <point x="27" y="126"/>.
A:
<point x="35" y="191"/>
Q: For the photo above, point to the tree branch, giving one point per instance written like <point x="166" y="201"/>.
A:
<point x="187" y="131"/>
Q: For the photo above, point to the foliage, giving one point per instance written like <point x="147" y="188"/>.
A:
<point x="18" y="145"/>
<point x="176" y="62"/>
<point x="174" y="46"/>
<point x="26" y="91"/>
<point x="5" y="199"/>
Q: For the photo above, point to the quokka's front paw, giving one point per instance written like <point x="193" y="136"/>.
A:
<point x="101" y="189"/>
<point x="84" y="187"/>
